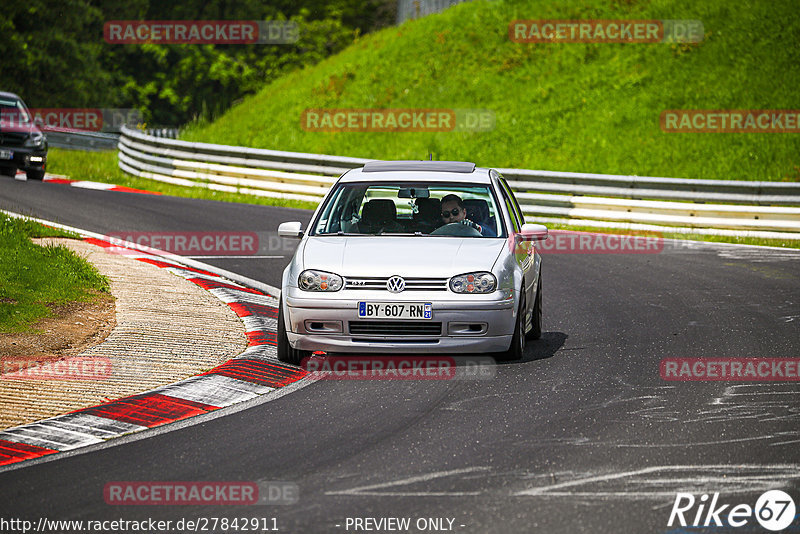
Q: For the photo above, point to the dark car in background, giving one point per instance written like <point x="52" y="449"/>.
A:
<point x="22" y="143"/>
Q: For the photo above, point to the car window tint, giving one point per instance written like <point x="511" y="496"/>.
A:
<point x="510" y="208"/>
<point x="13" y="111"/>
<point x="510" y="193"/>
<point x="390" y="207"/>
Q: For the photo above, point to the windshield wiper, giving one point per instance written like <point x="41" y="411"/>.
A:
<point x="340" y="232"/>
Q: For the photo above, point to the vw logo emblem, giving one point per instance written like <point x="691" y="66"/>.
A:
<point x="395" y="284"/>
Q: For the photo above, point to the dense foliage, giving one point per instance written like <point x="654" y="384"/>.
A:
<point x="54" y="55"/>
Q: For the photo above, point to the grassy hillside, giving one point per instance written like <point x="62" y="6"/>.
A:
<point x="558" y="106"/>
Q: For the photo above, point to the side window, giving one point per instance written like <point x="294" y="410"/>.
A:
<point x="325" y="223"/>
<point x="507" y="190"/>
<point x="510" y="208"/>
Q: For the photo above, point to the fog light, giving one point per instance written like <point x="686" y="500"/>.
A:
<point x="324" y="327"/>
<point x="37" y="159"/>
<point x="467" y="329"/>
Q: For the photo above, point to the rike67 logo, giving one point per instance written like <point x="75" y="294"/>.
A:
<point x="774" y="510"/>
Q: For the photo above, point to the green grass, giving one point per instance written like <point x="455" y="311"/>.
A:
<point x="33" y="277"/>
<point x="558" y="106"/>
<point x="103" y="167"/>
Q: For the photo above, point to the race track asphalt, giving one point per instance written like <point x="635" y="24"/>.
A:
<point x="582" y="435"/>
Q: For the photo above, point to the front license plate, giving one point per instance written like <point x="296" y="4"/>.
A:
<point x="395" y="310"/>
<point x="6" y="154"/>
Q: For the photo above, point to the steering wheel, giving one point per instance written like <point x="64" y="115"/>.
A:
<point x="456" y="230"/>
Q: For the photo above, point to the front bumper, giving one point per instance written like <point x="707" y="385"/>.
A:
<point x="25" y="158"/>
<point x="469" y="327"/>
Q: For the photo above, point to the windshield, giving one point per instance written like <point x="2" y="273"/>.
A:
<point x="13" y="112"/>
<point x="421" y="209"/>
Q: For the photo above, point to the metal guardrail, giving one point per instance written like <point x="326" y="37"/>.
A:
<point x="766" y="209"/>
<point x="647" y="187"/>
<point x="81" y="140"/>
<point x="169" y="133"/>
<point x="414" y="9"/>
<point x="93" y="141"/>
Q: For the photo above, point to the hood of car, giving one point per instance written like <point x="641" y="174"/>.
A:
<point x="19" y="129"/>
<point x="419" y="256"/>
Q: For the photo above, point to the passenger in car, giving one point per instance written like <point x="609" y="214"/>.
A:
<point x="453" y="211"/>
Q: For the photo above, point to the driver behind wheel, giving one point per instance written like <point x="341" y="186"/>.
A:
<point x="453" y="211"/>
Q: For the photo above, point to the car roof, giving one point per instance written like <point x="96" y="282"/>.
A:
<point x="4" y="94"/>
<point x="419" y="165"/>
<point x="413" y="171"/>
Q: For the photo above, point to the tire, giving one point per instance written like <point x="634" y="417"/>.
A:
<point x="536" y="315"/>
<point x="8" y="171"/>
<point x="286" y="353"/>
<point x="34" y="175"/>
<point x="517" y="348"/>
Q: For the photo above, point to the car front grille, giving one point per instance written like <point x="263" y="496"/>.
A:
<point x="412" y="284"/>
<point x="12" y="138"/>
<point x="395" y="328"/>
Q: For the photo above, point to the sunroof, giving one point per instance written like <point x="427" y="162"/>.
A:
<point x="422" y="165"/>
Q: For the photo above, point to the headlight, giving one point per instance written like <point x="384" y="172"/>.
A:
<point x="319" y="281"/>
<point x="473" y="283"/>
<point x="36" y="139"/>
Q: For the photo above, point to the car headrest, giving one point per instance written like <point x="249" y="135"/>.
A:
<point x="477" y="209"/>
<point x="379" y="210"/>
<point x="428" y="209"/>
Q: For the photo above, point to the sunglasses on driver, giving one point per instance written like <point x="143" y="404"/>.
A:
<point x="453" y="212"/>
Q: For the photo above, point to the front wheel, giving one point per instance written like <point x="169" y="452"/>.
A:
<point x="536" y="315"/>
<point x="286" y="353"/>
<point x="35" y="175"/>
<point x="8" y="171"/>
<point x="517" y="348"/>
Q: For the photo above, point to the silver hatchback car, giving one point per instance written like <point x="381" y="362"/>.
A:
<point x="413" y="257"/>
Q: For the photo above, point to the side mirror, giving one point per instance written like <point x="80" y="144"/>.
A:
<point x="291" y="229"/>
<point x="532" y="232"/>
